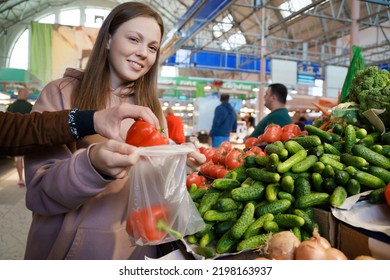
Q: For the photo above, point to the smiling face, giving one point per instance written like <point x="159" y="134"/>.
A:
<point x="133" y="49"/>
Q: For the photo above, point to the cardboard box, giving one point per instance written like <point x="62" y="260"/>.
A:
<point x="354" y="242"/>
<point x="327" y="223"/>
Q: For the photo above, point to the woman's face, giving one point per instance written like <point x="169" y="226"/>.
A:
<point x="133" y="49"/>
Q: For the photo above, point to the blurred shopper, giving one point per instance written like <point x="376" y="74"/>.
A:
<point x="275" y="99"/>
<point x="250" y="121"/>
<point x="78" y="195"/>
<point x="175" y="127"/>
<point x="24" y="134"/>
<point x="224" y="122"/>
<point x="22" y="106"/>
<point x="301" y="123"/>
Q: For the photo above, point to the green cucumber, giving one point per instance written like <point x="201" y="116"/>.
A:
<point x="273" y="161"/>
<point x="209" y="199"/>
<point x="377" y="196"/>
<point x="243" y="221"/>
<point x="355" y="161"/>
<point x="274" y="207"/>
<point x="217" y="216"/>
<point x="330" y="149"/>
<point x="372" y="157"/>
<point x="312" y="199"/>
<point x="334" y="163"/>
<point x="287" y="184"/>
<point x="379" y="172"/>
<point x="353" y="187"/>
<point x="289" y="162"/>
<point x="288" y="220"/>
<point x="324" y="135"/>
<point x="225" y="243"/>
<point x="271" y="191"/>
<point x="255" y="227"/>
<point x="309" y="224"/>
<point x="350" y="138"/>
<point x="253" y="242"/>
<point x="338" y="196"/>
<point x="305" y="164"/>
<point x="261" y="174"/>
<point x="293" y="146"/>
<point x="307" y="141"/>
<point x="301" y="187"/>
<point x="225" y="184"/>
<point x="252" y="192"/>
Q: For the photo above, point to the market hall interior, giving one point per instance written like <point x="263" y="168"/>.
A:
<point x="15" y="218"/>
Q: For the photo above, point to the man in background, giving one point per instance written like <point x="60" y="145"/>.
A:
<point x="175" y="127"/>
<point x="275" y="99"/>
<point x="224" y="122"/>
<point x="22" y="106"/>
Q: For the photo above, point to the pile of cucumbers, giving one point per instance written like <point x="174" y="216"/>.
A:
<point x="278" y="192"/>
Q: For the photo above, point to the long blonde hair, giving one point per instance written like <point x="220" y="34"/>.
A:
<point x="93" y="92"/>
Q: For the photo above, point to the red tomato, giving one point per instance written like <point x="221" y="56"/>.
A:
<point x="260" y="139"/>
<point x="287" y="135"/>
<point x="209" y="152"/>
<point x="272" y="133"/>
<point x="205" y="168"/>
<point x="193" y="178"/>
<point x="250" y="142"/>
<point x="257" y="150"/>
<point x="293" y="128"/>
<point x="144" y="134"/>
<point x="234" y="158"/>
<point x="222" y="172"/>
<point x="226" y="145"/>
<point x="214" y="170"/>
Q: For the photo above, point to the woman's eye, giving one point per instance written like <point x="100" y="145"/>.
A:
<point x="134" y="39"/>
<point x="153" y="48"/>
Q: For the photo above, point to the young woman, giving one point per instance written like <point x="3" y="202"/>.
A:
<point x="79" y="213"/>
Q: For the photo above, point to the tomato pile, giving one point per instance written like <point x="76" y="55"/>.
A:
<point x="225" y="158"/>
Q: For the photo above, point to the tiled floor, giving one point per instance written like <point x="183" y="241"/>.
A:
<point x="15" y="219"/>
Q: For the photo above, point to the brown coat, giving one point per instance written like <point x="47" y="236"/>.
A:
<point x="23" y="134"/>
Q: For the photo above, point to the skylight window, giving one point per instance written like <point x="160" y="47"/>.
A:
<point x="292" y="6"/>
<point x="234" y="41"/>
<point x="224" y="26"/>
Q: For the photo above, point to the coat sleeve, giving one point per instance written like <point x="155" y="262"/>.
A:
<point x="62" y="178"/>
<point x="23" y="134"/>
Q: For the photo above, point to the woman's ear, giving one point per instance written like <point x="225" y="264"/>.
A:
<point x="108" y="42"/>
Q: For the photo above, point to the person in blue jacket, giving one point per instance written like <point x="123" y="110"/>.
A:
<point x="224" y="122"/>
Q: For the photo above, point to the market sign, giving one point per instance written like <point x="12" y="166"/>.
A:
<point x="192" y="83"/>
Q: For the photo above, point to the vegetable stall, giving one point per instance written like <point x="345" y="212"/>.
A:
<point x="249" y="197"/>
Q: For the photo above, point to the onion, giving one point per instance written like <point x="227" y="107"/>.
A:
<point x="310" y="250"/>
<point x="334" y="254"/>
<point x="282" y="245"/>
<point x="323" y="241"/>
<point x="318" y="248"/>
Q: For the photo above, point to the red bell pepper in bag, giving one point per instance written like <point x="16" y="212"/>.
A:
<point x="150" y="223"/>
<point x="144" y="134"/>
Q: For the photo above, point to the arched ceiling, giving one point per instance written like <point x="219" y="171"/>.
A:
<point x="318" y="32"/>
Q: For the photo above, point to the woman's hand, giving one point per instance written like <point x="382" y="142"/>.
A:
<point x="113" y="158"/>
<point x="108" y="122"/>
<point x="194" y="160"/>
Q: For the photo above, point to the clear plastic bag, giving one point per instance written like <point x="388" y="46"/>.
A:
<point x="160" y="207"/>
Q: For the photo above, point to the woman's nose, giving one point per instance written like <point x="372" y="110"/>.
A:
<point x="142" y="50"/>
